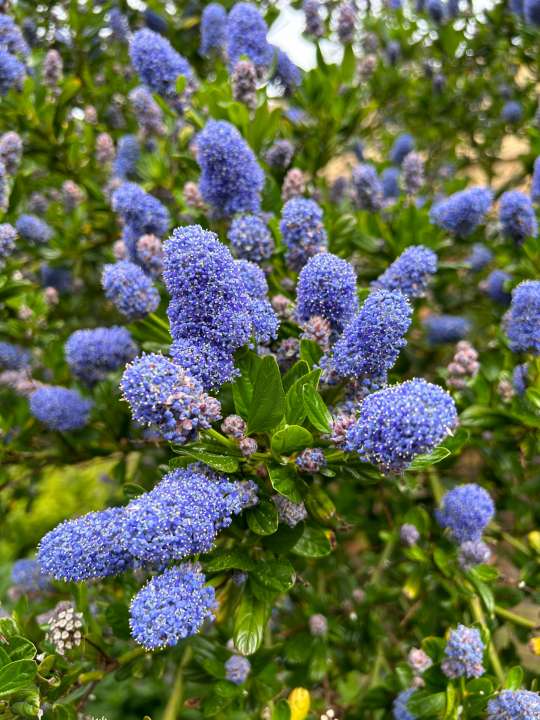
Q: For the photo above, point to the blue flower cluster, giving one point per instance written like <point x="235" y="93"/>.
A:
<point x="246" y="35"/>
<point x="400" y="422"/>
<point x="237" y="669"/>
<point x="59" y="408"/>
<point x="8" y="236"/>
<point x="479" y="257"/>
<point x="327" y="288"/>
<point x="92" y="354"/>
<point x="165" y="397"/>
<point x="130" y="289"/>
<point x="517" y="216"/>
<point x="410" y="272"/>
<point x="463" y="211"/>
<point x="26" y="575"/>
<point x="213" y="29"/>
<point x="465" y="511"/>
<point x="148" y="113"/>
<point x="368" y="190"/>
<point x="231" y="178"/>
<point x="403" y="145"/>
<point x="12" y="71"/>
<point x="13" y="357"/>
<point x="180" y="517"/>
<point x="399" y="708"/>
<point x="171" y="607"/>
<point x="494" y="286"/>
<point x="512" y="112"/>
<point x="446" y="328"/>
<point x="390" y="183"/>
<point x="371" y="342"/>
<point x="520" y="378"/>
<point x="12" y="43"/>
<point x="464" y="653"/>
<point x="127" y="157"/>
<point x="514" y="705"/>
<point x="250" y="238"/>
<point x="211" y="365"/>
<point x="302" y="231"/>
<point x="88" y="547"/>
<point x="141" y="213"/>
<point x="157" y="63"/>
<point x="522" y="321"/>
<point x="11" y="38"/>
<point x="263" y="318"/>
<point x="286" y="73"/>
<point x="33" y="229"/>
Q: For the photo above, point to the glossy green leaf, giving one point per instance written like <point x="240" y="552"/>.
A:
<point x="313" y="543"/>
<point x="250" y="621"/>
<point x="285" y="481"/>
<point x="277" y="575"/>
<point x="16" y="675"/>
<point x="317" y="412"/>
<point x="268" y="402"/>
<point x="263" y="518"/>
<point x="291" y="438"/>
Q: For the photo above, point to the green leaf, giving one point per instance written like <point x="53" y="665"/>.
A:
<point x="423" y="461"/>
<point x="268" y="402"/>
<point x="485" y="593"/>
<point x="20" y="648"/>
<point x="311" y="352"/>
<point x="285" y="481"/>
<point x="313" y="543"/>
<point x="228" y="559"/>
<point x="485" y="573"/>
<point x="224" y="463"/>
<point x="16" y="675"/>
<point x="132" y="490"/>
<point x="249" y="623"/>
<point x="263" y="518"/>
<point x="8" y="627"/>
<point x="248" y="363"/>
<point x="291" y="438"/>
<point x="424" y="704"/>
<point x="281" y="711"/>
<point x="318" y="662"/>
<point x="295" y="409"/>
<point x="277" y="575"/>
<point x="298" y="370"/>
<point x="319" y="504"/>
<point x="117" y="616"/>
<point x="317" y="412"/>
<point x="514" y="678"/>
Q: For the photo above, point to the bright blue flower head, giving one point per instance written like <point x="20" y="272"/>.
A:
<point x="27" y="575"/>
<point x="208" y="298"/>
<point x="368" y="189"/>
<point x="517" y="216"/>
<point x="12" y="71"/>
<point x="180" y="517"/>
<point x="464" y="653"/>
<point x="237" y="669"/>
<point x="371" y="342"/>
<point x="535" y="185"/>
<point x="130" y="289"/>
<point x="494" y="287"/>
<point x="11" y="38"/>
<point x="479" y="257"/>
<point x="403" y="145"/>
<point x="231" y="178"/>
<point x="286" y="73"/>
<point x="520" y="378"/>
<point x="211" y="365"/>
<point x="246" y="35"/>
<point x="399" y="708"/>
<point x="127" y="157"/>
<point x="141" y="213"/>
<point x="446" y="328"/>
<point x="465" y="512"/>
<point x="119" y="25"/>
<point x="163" y="396"/>
<point x="157" y="63"/>
<point x="33" y="229"/>
<point x="390" y="182"/>
<point x="13" y="357"/>
<point x="59" y="408"/>
<point x="87" y="547"/>
<point x="327" y="288"/>
<point x="8" y="236"/>
<point x="250" y="238"/>
<point x="93" y="354"/>
<point x="522" y="321"/>
<point x="512" y="112"/>
<point x="514" y="704"/>
<point x="463" y="211"/>
<point x="171" y="607"/>
<point x="302" y="231"/>
<point x="400" y="422"/>
<point x="264" y="319"/>
<point x="213" y="29"/>
<point x="410" y="273"/>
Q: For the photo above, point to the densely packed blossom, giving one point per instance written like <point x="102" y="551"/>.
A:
<point x="180" y="517"/>
<point x="163" y="396"/>
<point x="410" y="272"/>
<point x="27" y="575"/>
<point x="463" y="211"/>
<point x="246" y="35"/>
<point x="237" y="669"/>
<point x="413" y="173"/>
<point x="494" y="286"/>
<point x="140" y="212"/>
<point x="390" y="182"/>
<point x="314" y="23"/>
<point x="33" y="229"/>
<point x="294" y="184"/>
<point x="148" y="113"/>
<point x="473" y="552"/>
<point x="157" y="63"/>
<point x="280" y="154"/>
<point x="480" y="257"/>
<point x="403" y="145"/>
<point x="11" y="37"/>
<point x="87" y="547"/>
<point x="464" y="653"/>
<point x="8" y="236"/>
<point x="231" y="178"/>
<point x="64" y="628"/>
<point x="400" y="422"/>
<point x="289" y="512"/>
<point x="514" y="705"/>
<point x="522" y="321"/>
<point x="244" y="83"/>
<point x="127" y="157"/>
<point x="520" y="378"/>
<point x="12" y="71"/>
<point x="465" y="511"/>
<point x="119" y="25"/>
<point x="327" y="288"/>
<point x="13" y="357"/>
<point x="213" y="29"/>
<point x="302" y="231"/>
<point x="463" y="367"/>
<point x="250" y="238"/>
<point x="367" y="187"/>
<point x="130" y="289"/>
<point x="11" y="148"/>
<point x="171" y="607"/>
<point x="286" y="73"/>
<point x="207" y="362"/>
<point x="371" y="342"/>
<point x="92" y="354"/>
<point x="311" y="460"/>
<point x="517" y="216"/>
<point x="408" y="534"/>
<point x="60" y="408"/>
<point x="446" y="328"/>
